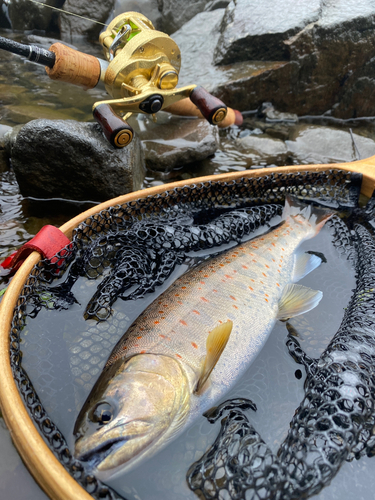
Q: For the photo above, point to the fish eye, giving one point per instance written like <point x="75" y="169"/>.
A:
<point x="102" y="414"/>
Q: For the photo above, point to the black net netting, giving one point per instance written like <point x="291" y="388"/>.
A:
<point x="128" y="251"/>
<point x="334" y="423"/>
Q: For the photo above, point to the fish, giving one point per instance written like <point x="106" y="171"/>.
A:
<point x="194" y="342"/>
<point x="334" y="423"/>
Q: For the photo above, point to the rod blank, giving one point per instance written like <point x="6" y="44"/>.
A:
<point x="31" y="52"/>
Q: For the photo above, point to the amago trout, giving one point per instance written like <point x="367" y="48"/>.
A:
<point x="193" y="342"/>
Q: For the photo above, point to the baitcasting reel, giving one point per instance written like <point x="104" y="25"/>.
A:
<point x="142" y="76"/>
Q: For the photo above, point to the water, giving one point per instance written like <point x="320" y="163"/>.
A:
<point x="27" y="93"/>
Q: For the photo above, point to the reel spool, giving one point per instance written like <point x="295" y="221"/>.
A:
<point x="142" y="76"/>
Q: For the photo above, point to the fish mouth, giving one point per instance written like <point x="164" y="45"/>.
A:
<point x="102" y="451"/>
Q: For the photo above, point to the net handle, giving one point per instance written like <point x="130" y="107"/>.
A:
<point x="41" y="462"/>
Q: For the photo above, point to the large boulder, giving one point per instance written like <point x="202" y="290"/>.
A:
<point x="89" y="19"/>
<point x="149" y="8"/>
<point x="305" y="57"/>
<point x="174" y="141"/>
<point x="175" y="13"/>
<point x="72" y="160"/>
<point x="25" y="15"/>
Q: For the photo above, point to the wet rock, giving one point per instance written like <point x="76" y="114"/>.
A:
<point x="72" y="160"/>
<point x="268" y="112"/>
<point x="4" y="16"/>
<point x="327" y="64"/>
<point x="175" y="141"/>
<point x="316" y="144"/>
<point x="98" y="10"/>
<point x="263" y="149"/>
<point x="175" y="13"/>
<point x="25" y="15"/>
<point x="149" y="8"/>
<point x="253" y="30"/>
<point x="4" y="131"/>
<point x="216" y="4"/>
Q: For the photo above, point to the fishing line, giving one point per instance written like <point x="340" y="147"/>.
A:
<point x="63" y="11"/>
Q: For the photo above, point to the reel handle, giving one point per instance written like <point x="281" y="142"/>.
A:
<point x="211" y="107"/>
<point x="118" y="132"/>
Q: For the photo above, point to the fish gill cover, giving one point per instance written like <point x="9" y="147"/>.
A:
<point x="136" y="247"/>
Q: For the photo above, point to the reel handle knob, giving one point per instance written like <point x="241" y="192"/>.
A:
<point x="211" y="107"/>
<point x="118" y="132"/>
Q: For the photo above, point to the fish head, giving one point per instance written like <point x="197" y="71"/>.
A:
<point x="134" y="407"/>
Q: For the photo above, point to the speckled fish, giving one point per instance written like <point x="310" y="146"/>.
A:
<point x="194" y="342"/>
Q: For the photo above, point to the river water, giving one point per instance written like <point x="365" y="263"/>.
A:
<point x="27" y="93"/>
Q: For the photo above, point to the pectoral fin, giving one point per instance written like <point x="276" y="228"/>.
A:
<point x="297" y="299"/>
<point x="304" y="264"/>
<point x="216" y="341"/>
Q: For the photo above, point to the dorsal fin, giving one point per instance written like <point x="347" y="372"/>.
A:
<point x="216" y="341"/>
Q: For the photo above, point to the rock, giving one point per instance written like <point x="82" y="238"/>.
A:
<point x="268" y="112"/>
<point x="25" y="15"/>
<point x="4" y="131"/>
<point x="4" y="16"/>
<point x="175" y="141"/>
<point x="317" y="144"/>
<point x="253" y="30"/>
<point x="97" y="10"/>
<point x="262" y="149"/>
<point x="72" y="160"/>
<point x="326" y="65"/>
<point x="216" y="4"/>
<point x="175" y="13"/>
<point x="149" y="8"/>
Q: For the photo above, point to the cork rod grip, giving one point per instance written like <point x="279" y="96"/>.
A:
<point x="74" y="67"/>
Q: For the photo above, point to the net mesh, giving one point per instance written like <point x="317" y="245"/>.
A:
<point x="130" y="250"/>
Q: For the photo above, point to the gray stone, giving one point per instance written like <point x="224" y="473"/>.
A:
<point x="4" y="131"/>
<point x="317" y="144"/>
<point x="216" y="4"/>
<point x="272" y="115"/>
<point x="263" y="149"/>
<point x="149" y="8"/>
<point x="98" y="10"/>
<point x="328" y="66"/>
<point x="253" y="30"/>
<point x="72" y="160"/>
<point x="175" y="13"/>
<point x="25" y="15"/>
<point x="175" y="141"/>
<point x="4" y="16"/>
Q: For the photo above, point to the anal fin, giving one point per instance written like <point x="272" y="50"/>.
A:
<point x="297" y="299"/>
<point x="216" y="341"/>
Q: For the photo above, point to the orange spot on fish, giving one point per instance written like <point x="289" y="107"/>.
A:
<point x="277" y="284"/>
<point x="252" y="280"/>
<point x="231" y="296"/>
<point x="142" y="352"/>
<point x="260" y="281"/>
<point x="141" y="329"/>
<point x="205" y="276"/>
<point x="235" y="307"/>
<point x="201" y="282"/>
<point x="156" y="322"/>
<point x="252" y="289"/>
<point x="204" y="299"/>
<point x="162" y="336"/>
<point x="214" y="291"/>
<point x="278" y="271"/>
<point x="179" y="356"/>
<point x="196" y="312"/>
<point x="194" y="345"/>
<point x="283" y="249"/>
<point x="183" y="287"/>
<point x="227" y="276"/>
<point x="221" y="265"/>
<point x="139" y="337"/>
<point x="124" y="348"/>
<point x="245" y="267"/>
<point x="265" y="275"/>
<point x="266" y="300"/>
<point x="179" y="302"/>
<point x="266" y="295"/>
<point x="273" y="244"/>
<point x="267" y="266"/>
<point x="161" y="312"/>
<point x="183" y="322"/>
<point x="176" y="295"/>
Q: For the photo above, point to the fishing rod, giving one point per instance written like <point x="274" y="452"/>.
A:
<point x="140" y="72"/>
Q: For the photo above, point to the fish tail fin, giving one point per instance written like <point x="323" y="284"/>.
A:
<point x="316" y="216"/>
